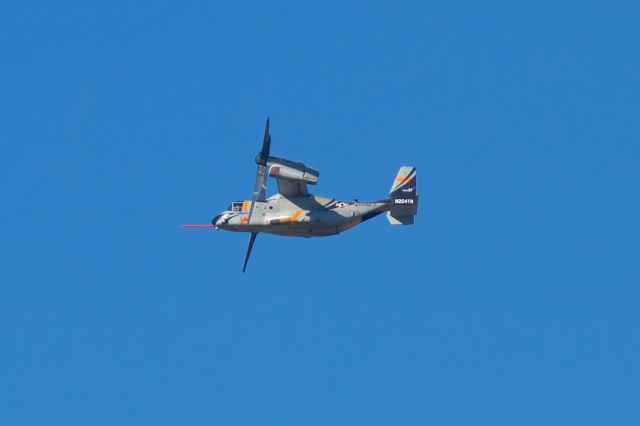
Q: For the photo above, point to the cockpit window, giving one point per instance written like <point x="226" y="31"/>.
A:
<point x="236" y="206"/>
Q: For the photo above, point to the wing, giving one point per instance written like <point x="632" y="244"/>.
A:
<point x="290" y="188"/>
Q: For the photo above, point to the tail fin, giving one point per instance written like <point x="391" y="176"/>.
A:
<point x="403" y="197"/>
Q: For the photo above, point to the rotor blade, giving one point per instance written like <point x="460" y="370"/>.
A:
<point x="199" y="226"/>
<point x="246" y="257"/>
<point x="266" y="143"/>
<point x="261" y="175"/>
<point x="259" y="189"/>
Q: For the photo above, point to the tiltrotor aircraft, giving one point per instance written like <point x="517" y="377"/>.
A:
<point x="293" y="211"/>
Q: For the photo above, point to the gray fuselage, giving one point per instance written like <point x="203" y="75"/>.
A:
<point x="305" y="216"/>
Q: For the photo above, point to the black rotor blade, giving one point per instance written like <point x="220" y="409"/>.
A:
<point x="252" y="239"/>
<point x="266" y="143"/>
<point x="261" y="175"/>
<point x="259" y="189"/>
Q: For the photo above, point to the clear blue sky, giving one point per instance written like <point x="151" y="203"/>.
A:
<point x="513" y="300"/>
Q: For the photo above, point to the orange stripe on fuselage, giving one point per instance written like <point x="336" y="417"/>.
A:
<point x="244" y="219"/>
<point x="245" y="206"/>
<point x="296" y="216"/>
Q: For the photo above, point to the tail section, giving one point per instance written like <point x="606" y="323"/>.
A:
<point x="404" y="185"/>
<point x="403" y="197"/>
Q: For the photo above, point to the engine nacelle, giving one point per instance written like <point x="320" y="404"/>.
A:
<point x="298" y="172"/>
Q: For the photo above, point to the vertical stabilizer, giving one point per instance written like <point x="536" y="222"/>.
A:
<point x="403" y="197"/>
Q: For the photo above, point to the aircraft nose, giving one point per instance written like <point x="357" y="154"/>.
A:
<point x="215" y="220"/>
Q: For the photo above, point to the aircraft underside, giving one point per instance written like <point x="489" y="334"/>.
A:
<point x="306" y="231"/>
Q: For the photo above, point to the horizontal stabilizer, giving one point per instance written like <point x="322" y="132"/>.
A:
<point x="400" y="220"/>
